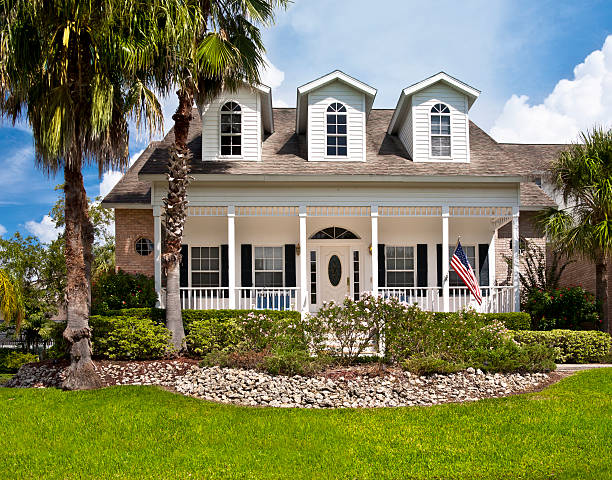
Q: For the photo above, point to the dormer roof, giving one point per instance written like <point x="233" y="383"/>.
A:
<point x="470" y="92"/>
<point x="303" y="91"/>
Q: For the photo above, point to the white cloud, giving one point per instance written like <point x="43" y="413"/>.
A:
<point x="110" y="178"/>
<point x="45" y="230"/>
<point x="270" y="75"/>
<point x="280" y="103"/>
<point x="573" y="105"/>
<point x="2" y="230"/>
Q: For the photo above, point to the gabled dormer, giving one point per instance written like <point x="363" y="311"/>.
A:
<point x="431" y="119"/>
<point x="234" y="124"/>
<point x="332" y="112"/>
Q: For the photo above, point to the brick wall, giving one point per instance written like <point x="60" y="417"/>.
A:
<point x="130" y="225"/>
<point x="527" y="230"/>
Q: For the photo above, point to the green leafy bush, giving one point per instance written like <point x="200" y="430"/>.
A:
<point x="122" y="290"/>
<point x="564" y="308"/>
<point x="570" y="346"/>
<point x="293" y="362"/>
<point x="129" y="338"/>
<point x="213" y="334"/>
<point x="511" y="320"/>
<point x="13" y="360"/>
<point x="428" y="365"/>
<point x="511" y="357"/>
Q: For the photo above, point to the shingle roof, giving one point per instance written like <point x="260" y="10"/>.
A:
<point x="285" y="153"/>
<point x="534" y="196"/>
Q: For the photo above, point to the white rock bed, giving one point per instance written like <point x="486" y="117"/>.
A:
<point x="253" y="388"/>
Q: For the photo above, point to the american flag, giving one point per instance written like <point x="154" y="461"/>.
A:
<point x="462" y="266"/>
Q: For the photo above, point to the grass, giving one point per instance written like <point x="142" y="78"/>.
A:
<point x="145" y="432"/>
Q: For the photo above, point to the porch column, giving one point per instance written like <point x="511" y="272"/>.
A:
<point x="303" y="257"/>
<point x="231" y="254"/>
<point x="445" y="262"/>
<point x="374" y="216"/>
<point x="157" y="250"/>
<point x="492" y="278"/>
<point x="515" y="259"/>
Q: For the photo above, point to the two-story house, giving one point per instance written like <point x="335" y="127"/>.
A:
<point x="293" y="207"/>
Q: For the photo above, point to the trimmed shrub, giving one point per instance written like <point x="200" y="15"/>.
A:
<point x="158" y="315"/>
<point x="13" y="360"/>
<point x="122" y="290"/>
<point x="213" y="334"/>
<point x="428" y="365"/>
<point x="293" y="362"/>
<point x="510" y="357"/>
<point x="564" y="308"/>
<point x="511" y="320"/>
<point x="129" y="338"/>
<point x="570" y="346"/>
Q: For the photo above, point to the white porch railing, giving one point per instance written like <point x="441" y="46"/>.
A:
<point x="259" y="298"/>
<point x="495" y="299"/>
<point x="204" y="298"/>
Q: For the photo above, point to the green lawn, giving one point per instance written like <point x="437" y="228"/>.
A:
<point x="144" y="432"/>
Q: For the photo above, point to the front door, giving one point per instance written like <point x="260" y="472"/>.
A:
<point x="335" y="273"/>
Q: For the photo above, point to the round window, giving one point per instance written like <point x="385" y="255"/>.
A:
<point x="144" y="247"/>
<point x="334" y="270"/>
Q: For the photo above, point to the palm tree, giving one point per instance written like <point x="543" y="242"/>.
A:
<point x="226" y="53"/>
<point x="11" y="301"/>
<point x="583" y="176"/>
<point x="77" y="71"/>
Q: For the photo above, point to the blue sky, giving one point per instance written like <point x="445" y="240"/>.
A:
<point x="544" y="69"/>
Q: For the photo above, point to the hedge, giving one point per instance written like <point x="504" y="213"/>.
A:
<point x="572" y="346"/>
<point x="511" y="320"/>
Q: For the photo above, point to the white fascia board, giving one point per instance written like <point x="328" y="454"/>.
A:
<point x="470" y="92"/>
<point x="127" y="206"/>
<point x="345" y="178"/>
<point x="304" y="90"/>
<point x="267" y="114"/>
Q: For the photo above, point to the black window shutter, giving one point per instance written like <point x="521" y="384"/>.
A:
<point x="246" y="265"/>
<point x="483" y="264"/>
<point x="224" y="266"/>
<point x="184" y="266"/>
<point x="290" y="265"/>
<point x="382" y="277"/>
<point x="422" y="265"/>
<point x="439" y="262"/>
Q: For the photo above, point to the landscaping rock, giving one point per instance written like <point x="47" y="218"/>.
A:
<point x="352" y="388"/>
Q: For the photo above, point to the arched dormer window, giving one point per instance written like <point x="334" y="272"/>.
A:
<point x="440" y="131"/>
<point x="231" y="129"/>
<point x="336" y="130"/>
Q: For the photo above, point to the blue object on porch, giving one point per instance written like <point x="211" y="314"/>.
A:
<point x="274" y="302"/>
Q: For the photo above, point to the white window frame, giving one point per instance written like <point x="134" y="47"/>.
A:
<point x="221" y="112"/>
<point x="451" y="251"/>
<point x="449" y="135"/>
<point x="282" y="270"/>
<point x="191" y="271"/>
<point x="345" y="135"/>
<point x="414" y="266"/>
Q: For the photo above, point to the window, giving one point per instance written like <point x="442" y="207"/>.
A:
<point x="336" y="130"/>
<point x="144" y="246"/>
<point x="334" y="233"/>
<point x="356" y="275"/>
<point x="268" y="266"/>
<point x="313" y="277"/>
<point x="400" y="266"/>
<point x="470" y="252"/>
<point x="440" y="131"/>
<point x="205" y="266"/>
<point x="231" y="129"/>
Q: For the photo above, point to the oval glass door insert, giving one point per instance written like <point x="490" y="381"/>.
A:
<point x="334" y="270"/>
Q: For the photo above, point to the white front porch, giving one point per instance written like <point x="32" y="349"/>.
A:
<point x="289" y="257"/>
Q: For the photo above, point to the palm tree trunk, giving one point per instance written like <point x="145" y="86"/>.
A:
<point x="81" y="373"/>
<point x="175" y="214"/>
<point x="601" y="291"/>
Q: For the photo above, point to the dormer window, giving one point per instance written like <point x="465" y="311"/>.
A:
<point x="440" y="131"/>
<point x="336" y="130"/>
<point x="231" y="129"/>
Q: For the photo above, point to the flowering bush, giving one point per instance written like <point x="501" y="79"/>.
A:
<point x="122" y="290"/>
<point x="355" y="325"/>
<point x="569" y="308"/>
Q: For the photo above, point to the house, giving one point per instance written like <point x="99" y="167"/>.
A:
<point x="293" y="207"/>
